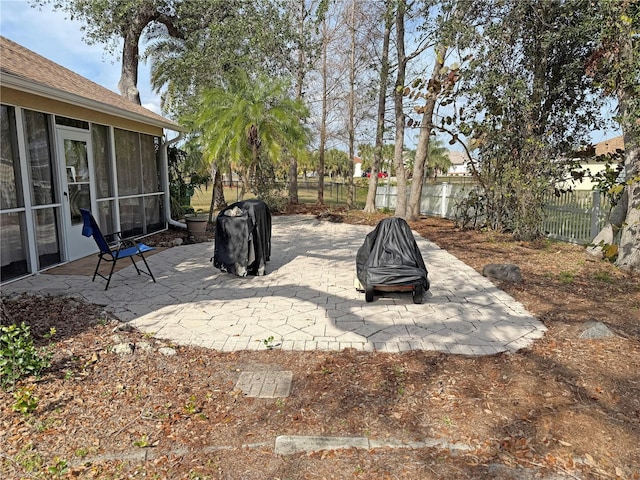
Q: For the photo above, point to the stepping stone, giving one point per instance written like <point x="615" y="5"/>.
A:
<point x="288" y="444"/>
<point x="270" y="384"/>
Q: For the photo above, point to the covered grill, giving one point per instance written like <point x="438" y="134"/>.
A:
<point x="243" y="238"/>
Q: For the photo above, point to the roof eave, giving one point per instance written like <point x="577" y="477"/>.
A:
<point x="27" y="86"/>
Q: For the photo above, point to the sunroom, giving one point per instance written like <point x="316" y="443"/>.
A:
<point x="67" y="143"/>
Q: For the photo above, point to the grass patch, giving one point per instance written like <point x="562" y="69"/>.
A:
<point x="566" y="277"/>
<point x="335" y="194"/>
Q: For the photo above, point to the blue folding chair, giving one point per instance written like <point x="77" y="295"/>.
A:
<point x="114" y="251"/>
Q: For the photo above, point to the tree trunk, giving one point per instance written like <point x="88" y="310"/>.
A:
<point x="426" y="124"/>
<point x="145" y="13"/>
<point x="218" y="201"/>
<point x="128" y="84"/>
<point x="300" y="73"/>
<point x="629" y="249"/>
<point x="370" y="205"/>
<point x="323" y="120"/>
<point x="398" y="97"/>
<point x="351" y="106"/>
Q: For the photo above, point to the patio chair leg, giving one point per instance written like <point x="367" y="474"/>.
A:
<point x="97" y="267"/>
<point x="148" y="269"/>
<point x="113" y="266"/>
<point x="134" y="264"/>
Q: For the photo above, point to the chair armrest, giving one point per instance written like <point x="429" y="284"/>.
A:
<point x="126" y="242"/>
<point x="116" y="241"/>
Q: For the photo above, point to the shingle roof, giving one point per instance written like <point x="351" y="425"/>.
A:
<point x="610" y="145"/>
<point x="21" y="63"/>
<point x="457" y="158"/>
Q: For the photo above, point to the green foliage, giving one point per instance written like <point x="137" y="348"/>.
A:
<point x="59" y="468"/>
<point x="142" y="442"/>
<point x="336" y="162"/>
<point x="262" y="184"/>
<point x="81" y="452"/>
<point x="367" y="155"/>
<point x="25" y="402"/>
<point x="566" y="277"/>
<point x="615" y="62"/>
<point x="191" y="406"/>
<point x="105" y="20"/>
<point x="438" y="161"/>
<point x="252" y="125"/>
<point x="607" y="180"/>
<point x="609" y="251"/>
<point x="470" y="209"/>
<point x="218" y="37"/>
<point x="530" y="103"/>
<point x="603" y="276"/>
<point x="30" y="460"/>
<point x="19" y="358"/>
<point x="187" y="172"/>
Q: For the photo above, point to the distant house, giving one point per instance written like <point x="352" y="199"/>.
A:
<point x="357" y="167"/>
<point x="610" y="145"/>
<point x="601" y="148"/>
<point x="68" y="143"/>
<point x="459" y="164"/>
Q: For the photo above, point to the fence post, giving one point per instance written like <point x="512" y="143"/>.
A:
<point x="595" y="214"/>
<point x="444" y="201"/>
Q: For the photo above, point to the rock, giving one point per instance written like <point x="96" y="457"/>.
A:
<point x="123" y="327"/>
<point x="177" y="242"/>
<point x="144" y="346"/>
<point x="167" y="351"/>
<point x="595" y="330"/>
<point x="605" y="237"/>
<point x="123" y="349"/>
<point x="506" y="272"/>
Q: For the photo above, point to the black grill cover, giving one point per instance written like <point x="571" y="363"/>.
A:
<point x="390" y="256"/>
<point x="243" y="238"/>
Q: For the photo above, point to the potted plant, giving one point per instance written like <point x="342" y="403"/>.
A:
<point x="197" y="222"/>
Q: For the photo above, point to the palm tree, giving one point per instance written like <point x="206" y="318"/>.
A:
<point x="438" y="160"/>
<point x="248" y="123"/>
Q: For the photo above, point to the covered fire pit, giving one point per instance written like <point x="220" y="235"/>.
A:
<point x="390" y="260"/>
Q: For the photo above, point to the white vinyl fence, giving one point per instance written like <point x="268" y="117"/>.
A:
<point x="574" y="217"/>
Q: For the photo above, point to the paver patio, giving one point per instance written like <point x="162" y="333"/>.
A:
<point x="307" y="300"/>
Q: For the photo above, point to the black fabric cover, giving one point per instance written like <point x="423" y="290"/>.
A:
<point x="390" y="256"/>
<point x="243" y="238"/>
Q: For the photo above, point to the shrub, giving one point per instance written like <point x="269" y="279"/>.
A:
<point x="19" y="358"/>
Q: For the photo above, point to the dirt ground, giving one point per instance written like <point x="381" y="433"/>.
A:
<point x="565" y="408"/>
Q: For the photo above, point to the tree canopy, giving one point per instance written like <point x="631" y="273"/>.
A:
<point x="518" y="83"/>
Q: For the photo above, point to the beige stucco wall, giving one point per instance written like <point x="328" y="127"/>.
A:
<point x="10" y="96"/>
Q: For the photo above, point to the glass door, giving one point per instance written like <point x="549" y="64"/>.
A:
<point x="75" y="149"/>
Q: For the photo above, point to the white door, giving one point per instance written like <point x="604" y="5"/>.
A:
<point x="74" y="148"/>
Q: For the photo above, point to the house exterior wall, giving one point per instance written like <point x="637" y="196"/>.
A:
<point x="127" y="190"/>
